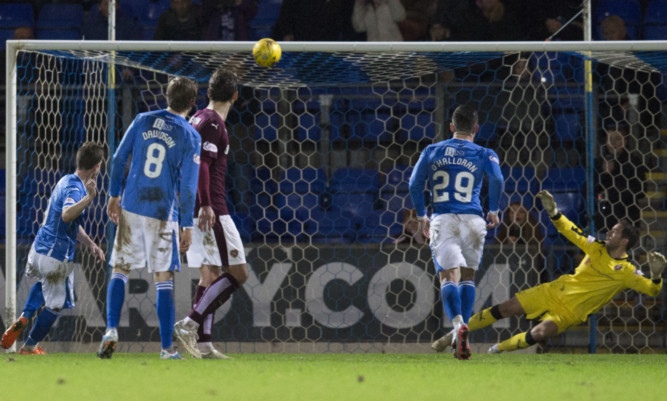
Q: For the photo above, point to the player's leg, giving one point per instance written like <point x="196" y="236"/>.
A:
<point x="208" y="274"/>
<point x="544" y="330"/>
<point x="128" y="252"/>
<point x="491" y="315"/>
<point x="166" y="312"/>
<point x="32" y="304"/>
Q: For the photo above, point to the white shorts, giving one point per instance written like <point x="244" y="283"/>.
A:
<point x="56" y="276"/>
<point x="457" y="240"/>
<point x="144" y="241"/>
<point x="219" y="246"/>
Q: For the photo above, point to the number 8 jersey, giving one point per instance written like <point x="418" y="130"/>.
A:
<point x="165" y="153"/>
<point x="455" y="170"/>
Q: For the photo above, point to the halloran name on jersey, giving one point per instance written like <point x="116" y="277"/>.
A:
<point x="159" y="135"/>
<point x="454" y="161"/>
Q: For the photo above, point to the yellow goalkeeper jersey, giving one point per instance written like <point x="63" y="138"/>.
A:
<point x="598" y="278"/>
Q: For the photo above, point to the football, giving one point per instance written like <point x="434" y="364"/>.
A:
<point x="267" y="52"/>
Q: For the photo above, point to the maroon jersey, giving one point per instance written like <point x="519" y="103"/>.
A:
<point x="212" y="190"/>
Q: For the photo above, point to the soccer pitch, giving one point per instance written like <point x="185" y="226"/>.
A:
<point x="335" y="377"/>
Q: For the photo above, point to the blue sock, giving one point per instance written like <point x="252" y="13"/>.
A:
<point x="451" y="301"/>
<point x="467" y="294"/>
<point x="115" y="298"/>
<point x="166" y="312"/>
<point x="34" y="302"/>
<point x="42" y="325"/>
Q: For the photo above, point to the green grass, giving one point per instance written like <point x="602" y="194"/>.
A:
<point x="321" y="377"/>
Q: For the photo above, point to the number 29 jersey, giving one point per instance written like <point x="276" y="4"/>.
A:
<point x="455" y="169"/>
<point x="162" y="179"/>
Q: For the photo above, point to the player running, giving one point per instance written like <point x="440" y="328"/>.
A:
<point x="454" y="169"/>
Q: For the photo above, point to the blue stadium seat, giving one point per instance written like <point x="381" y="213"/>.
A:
<point x="519" y="179"/>
<point x="14" y="15"/>
<point x="39" y="182"/>
<point x="655" y="20"/>
<point x="563" y="74"/>
<point x="416" y="127"/>
<point x="355" y="180"/>
<point x="309" y="127"/>
<point x="267" y="15"/>
<point x="572" y="205"/>
<point x="150" y="13"/>
<point x="244" y="223"/>
<point x="569" y="179"/>
<point x="568" y="127"/>
<point x="60" y="16"/>
<point x="379" y="226"/>
<point x="266" y="127"/>
<point x="396" y="202"/>
<point x="5" y="35"/>
<point x="398" y="180"/>
<point x="303" y="180"/>
<point x="358" y="205"/>
<point x="487" y="132"/>
<point x="331" y="227"/>
<point x="629" y="10"/>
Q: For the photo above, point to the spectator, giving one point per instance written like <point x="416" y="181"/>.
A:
<point x="526" y="125"/>
<point x="228" y="19"/>
<point x="520" y="227"/>
<point x="619" y="185"/>
<point x="96" y="26"/>
<point x="486" y="20"/>
<point x="548" y="17"/>
<point x="415" y="26"/>
<point x="613" y="28"/>
<point x="438" y="29"/>
<point x="20" y="33"/>
<point x="379" y="19"/>
<point x="182" y="21"/>
<point x="314" y="20"/>
<point x="411" y="233"/>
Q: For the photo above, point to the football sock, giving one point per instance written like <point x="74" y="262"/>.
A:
<point x="484" y="318"/>
<point x="519" y="341"/>
<point x="34" y="302"/>
<point x="204" y="330"/>
<point x="202" y="337"/>
<point x="467" y="295"/>
<point x="115" y="298"/>
<point x="166" y="313"/>
<point x="451" y="301"/>
<point x="215" y="295"/>
<point x="42" y="325"/>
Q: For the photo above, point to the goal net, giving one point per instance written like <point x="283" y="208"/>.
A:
<point x="321" y="149"/>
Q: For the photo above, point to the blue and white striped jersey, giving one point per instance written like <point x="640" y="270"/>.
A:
<point x="455" y="169"/>
<point x="162" y="180"/>
<point x="56" y="238"/>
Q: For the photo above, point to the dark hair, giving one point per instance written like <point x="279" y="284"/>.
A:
<point x="629" y="232"/>
<point x="465" y="118"/>
<point x="181" y="94"/>
<point x="88" y="155"/>
<point x="222" y="86"/>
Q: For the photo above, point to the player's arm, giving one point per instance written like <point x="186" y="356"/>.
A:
<point x="209" y="152"/>
<point x="118" y="163"/>
<point x="652" y="286"/>
<point x="84" y="239"/>
<point x="187" y="185"/>
<point x="417" y="185"/>
<point x="564" y="226"/>
<point x="75" y="204"/>
<point x="496" y="187"/>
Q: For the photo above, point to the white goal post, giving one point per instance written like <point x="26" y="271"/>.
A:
<point x="368" y="107"/>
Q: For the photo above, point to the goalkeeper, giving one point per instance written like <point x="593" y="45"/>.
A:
<point x="568" y="300"/>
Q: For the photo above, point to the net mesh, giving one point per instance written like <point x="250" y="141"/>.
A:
<point x="321" y="149"/>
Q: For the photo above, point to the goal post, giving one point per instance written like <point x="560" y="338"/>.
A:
<point x="321" y="149"/>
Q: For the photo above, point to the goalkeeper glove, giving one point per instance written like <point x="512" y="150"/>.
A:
<point x="548" y="202"/>
<point x="656" y="263"/>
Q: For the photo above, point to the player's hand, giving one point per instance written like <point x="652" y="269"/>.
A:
<point x="548" y="202"/>
<point x="113" y="209"/>
<point x="656" y="263"/>
<point x="206" y="218"/>
<point x="492" y="220"/>
<point x="91" y="187"/>
<point x="186" y="239"/>
<point x="98" y="252"/>
<point x="425" y="227"/>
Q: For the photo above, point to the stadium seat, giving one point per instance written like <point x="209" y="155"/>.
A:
<point x="397" y="180"/>
<point x="568" y="127"/>
<point x="519" y="179"/>
<point x="60" y="16"/>
<point x="379" y="226"/>
<point x="309" y="127"/>
<point x="358" y="205"/>
<point x="39" y="182"/>
<point x="5" y="35"/>
<point x="570" y="179"/>
<point x="396" y="202"/>
<point x="655" y="20"/>
<point x="267" y="15"/>
<point x="266" y="127"/>
<point x="244" y="223"/>
<point x="303" y="180"/>
<point x="355" y="180"/>
<point x="563" y="75"/>
<point x="487" y="132"/>
<point x="416" y="127"/>
<point x="331" y="227"/>
<point x="572" y="205"/>
<point x="14" y="15"/>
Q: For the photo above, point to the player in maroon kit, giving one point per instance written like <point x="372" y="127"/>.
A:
<point x="216" y="242"/>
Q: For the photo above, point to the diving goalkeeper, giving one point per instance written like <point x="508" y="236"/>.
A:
<point x="568" y="300"/>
